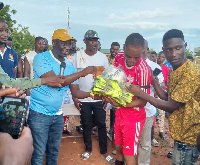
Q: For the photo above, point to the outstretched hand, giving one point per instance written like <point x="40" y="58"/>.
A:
<point x="134" y="89"/>
<point x="89" y="70"/>
<point x="53" y="81"/>
<point x="15" y="92"/>
<point x="112" y="102"/>
<point x="7" y="91"/>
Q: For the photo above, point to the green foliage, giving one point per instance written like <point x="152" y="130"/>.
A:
<point x="22" y="38"/>
<point x="188" y="52"/>
<point x="198" y="53"/>
<point x="151" y="50"/>
<point x="50" y="47"/>
<point x="5" y="14"/>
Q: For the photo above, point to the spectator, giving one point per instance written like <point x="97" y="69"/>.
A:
<point x="190" y="58"/>
<point x="9" y="42"/>
<point x="144" y="147"/>
<point x="161" y="114"/>
<point x="46" y="45"/>
<point x="99" y="46"/>
<point x="28" y="59"/>
<point x="114" y="50"/>
<point x="9" y="58"/>
<point x="154" y="56"/>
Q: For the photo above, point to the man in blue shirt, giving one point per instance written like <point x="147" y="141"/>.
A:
<point x="8" y="56"/>
<point x="45" y="116"/>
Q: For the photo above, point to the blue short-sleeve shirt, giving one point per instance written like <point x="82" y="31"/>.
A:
<point x="9" y="61"/>
<point x="45" y="99"/>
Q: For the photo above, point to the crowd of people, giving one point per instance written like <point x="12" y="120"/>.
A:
<point x="163" y="82"/>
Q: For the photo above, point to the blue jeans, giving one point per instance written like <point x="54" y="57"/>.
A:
<point x="184" y="154"/>
<point x="47" y="133"/>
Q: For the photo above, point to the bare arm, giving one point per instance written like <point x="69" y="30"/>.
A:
<point x="137" y="103"/>
<point x="77" y="93"/>
<point x="20" y="68"/>
<point x="15" y="72"/>
<point x="169" y="106"/>
<point x="27" y="69"/>
<point x="71" y="78"/>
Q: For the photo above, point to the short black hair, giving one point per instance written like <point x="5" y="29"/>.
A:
<point x="173" y="33"/>
<point x="9" y="39"/>
<point x="99" y="42"/>
<point x="135" y="39"/>
<point x="154" y="53"/>
<point x="161" y="52"/>
<point x="115" y="44"/>
<point x="38" y="38"/>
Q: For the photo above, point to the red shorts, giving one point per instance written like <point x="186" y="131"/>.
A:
<point x="127" y="134"/>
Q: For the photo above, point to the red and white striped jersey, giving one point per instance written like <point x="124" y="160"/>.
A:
<point x="139" y="74"/>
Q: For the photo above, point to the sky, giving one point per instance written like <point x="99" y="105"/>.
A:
<point x="113" y="20"/>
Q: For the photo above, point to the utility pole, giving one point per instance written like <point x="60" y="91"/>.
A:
<point x="68" y="17"/>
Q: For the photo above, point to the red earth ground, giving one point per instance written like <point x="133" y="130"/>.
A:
<point x="71" y="148"/>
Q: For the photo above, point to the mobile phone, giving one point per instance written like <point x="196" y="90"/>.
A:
<point x="156" y="72"/>
<point x="13" y="112"/>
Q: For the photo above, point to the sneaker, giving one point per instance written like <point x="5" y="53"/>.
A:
<point x="154" y="143"/>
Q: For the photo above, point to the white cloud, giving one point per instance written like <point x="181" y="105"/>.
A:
<point x="144" y="14"/>
<point x="126" y="25"/>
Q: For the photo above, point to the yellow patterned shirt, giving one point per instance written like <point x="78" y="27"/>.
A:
<point x="184" y="86"/>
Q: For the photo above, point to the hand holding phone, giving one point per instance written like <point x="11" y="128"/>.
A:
<point x="156" y="72"/>
<point x="13" y="112"/>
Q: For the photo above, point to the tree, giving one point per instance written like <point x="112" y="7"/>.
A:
<point x="5" y="14"/>
<point x="151" y="50"/>
<point x="188" y="52"/>
<point x="197" y="53"/>
<point x="22" y="38"/>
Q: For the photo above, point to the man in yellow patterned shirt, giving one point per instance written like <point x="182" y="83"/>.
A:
<point x="182" y="99"/>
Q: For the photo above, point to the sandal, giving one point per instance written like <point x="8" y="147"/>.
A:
<point x="109" y="159"/>
<point x="86" y="155"/>
<point x="169" y="155"/>
<point x="154" y="143"/>
<point x="114" y="152"/>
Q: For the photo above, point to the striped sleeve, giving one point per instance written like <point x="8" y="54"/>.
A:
<point x="144" y="77"/>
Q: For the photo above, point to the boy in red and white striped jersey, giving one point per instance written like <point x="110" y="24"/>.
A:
<point x="130" y="119"/>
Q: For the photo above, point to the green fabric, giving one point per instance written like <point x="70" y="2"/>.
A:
<point x="23" y="83"/>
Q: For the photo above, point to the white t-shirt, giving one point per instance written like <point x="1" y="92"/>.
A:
<point x="150" y="109"/>
<point x="30" y="56"/>
<point x="81" y="60"/>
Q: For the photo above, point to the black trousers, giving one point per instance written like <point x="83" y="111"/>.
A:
<point x="100" y="117"/>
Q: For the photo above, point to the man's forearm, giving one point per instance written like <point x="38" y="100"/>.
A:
<point x="137" y="103"/>
<point x="71" y="78"/>
<point x="158" y="103"/>
<point x="80" y="94"/>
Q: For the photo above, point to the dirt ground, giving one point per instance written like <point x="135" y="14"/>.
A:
<point x="71" y="148"/>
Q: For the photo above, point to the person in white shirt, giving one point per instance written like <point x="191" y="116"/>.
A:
<point x="82" y="59"/>
<point x="28" y="59"/>
<point x="144" y="147"/>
